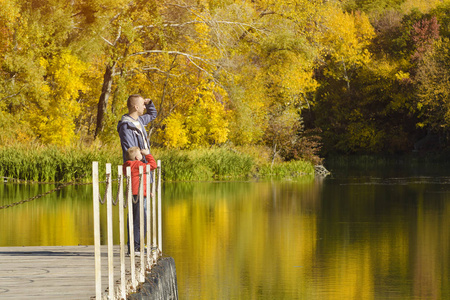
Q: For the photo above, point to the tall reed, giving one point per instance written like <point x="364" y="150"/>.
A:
<point x="289" y="169"/>
<point x="54" y="164"/>
<point x="205" y="164"/>
<point x="51" y="163"/>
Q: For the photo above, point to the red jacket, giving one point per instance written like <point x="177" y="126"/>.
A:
<point x="134" y="164"/>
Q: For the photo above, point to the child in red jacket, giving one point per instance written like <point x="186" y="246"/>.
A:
<point x="134" y="156"/>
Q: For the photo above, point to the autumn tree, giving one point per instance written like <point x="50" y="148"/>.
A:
<point x="268" y="70"/>
<point x="163" y="51"/>
<point x="432" y="54"/>
<point x="42" y="74"/>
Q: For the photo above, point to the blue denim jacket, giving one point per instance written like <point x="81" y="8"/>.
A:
<point x="130" y="135"/>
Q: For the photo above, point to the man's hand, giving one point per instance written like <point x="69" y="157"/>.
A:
<point x="147" y="101"/>
<point x="145" y="152"/>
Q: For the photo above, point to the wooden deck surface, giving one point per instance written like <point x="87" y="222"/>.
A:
<point x="56" y="272"/>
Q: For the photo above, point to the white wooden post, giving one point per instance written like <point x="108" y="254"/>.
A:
<point x="109" y="211"/>
<point x="148" y="176"/>
<point x="97" y="252"/>
<point x="141" y="224"/>
<point x="122" y="234"/>
<point x="131" y="230"/>
<point x="159" y="209"/>
<point x="154" y="217"/>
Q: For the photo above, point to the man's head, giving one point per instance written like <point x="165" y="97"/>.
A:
<point x="136" y="104"/>
<point x="134" y="153"/>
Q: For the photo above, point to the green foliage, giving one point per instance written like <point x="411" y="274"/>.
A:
<point x="434" y="97"/>
<point x="222" y="163"/>
<point x="291" y="169"/>
<point x="399" y="95"/>
<point x="52" y="163"/>
<point x="56" y="164"/>
<point x="372" y="7"/>
<point x="180" y="166"/>
<point x="206" y="164"/>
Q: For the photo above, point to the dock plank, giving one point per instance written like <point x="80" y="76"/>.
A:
<point x="53" y="272"/>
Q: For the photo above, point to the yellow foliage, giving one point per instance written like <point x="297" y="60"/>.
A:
<point x="290" y="77"/>
<point x="400" y="75"/>
<point x="346" y="38"/>
<point x="249" y="105"/>
<point x="53" y="120"/>
<point x="174" y="134"/>
<point x="67" y="72"/>
<point x="206" y="121"/>
<point x="422" y="5"/>
<point x="363" y="135"/>
<point x="9" y="11"/>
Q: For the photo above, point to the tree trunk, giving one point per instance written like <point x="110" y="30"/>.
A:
<point x="104" y="97"/>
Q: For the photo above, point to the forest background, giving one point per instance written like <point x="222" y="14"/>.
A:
<point x="274" y="80"/>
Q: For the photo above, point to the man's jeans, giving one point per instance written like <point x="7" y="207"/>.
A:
<point x="136" y="224"/>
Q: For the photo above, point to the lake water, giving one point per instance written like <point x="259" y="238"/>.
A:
<point x="357" y="234"/>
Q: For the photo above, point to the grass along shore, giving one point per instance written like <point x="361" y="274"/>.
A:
<point x="54" y="164"/>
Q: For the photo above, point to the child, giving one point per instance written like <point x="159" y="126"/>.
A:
<point x="134" y="157"/>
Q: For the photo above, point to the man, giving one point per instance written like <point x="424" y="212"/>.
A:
<point x="132" y="133"/>
<point x="131" y="127"/>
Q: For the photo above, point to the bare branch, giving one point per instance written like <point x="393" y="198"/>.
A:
<point x="118" y="35"/>
<point x="150" y="69"/>
<point x="108" y="42"/>
<point x="158" y="70"/>
<point x="200" y="68"/>
<point x="170" y="25"/>
<point x="188" y="56"/>
<point x="103" y="28"/>
<point x="170" y="52"/>
<point x="10" y="96"/>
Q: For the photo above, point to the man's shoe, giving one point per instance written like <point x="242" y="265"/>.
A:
<point x="137" y="251"/>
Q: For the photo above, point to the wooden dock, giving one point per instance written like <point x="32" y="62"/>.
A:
<point x="53" y="272"/>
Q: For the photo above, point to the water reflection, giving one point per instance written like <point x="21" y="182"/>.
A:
<point x="339" y="239"/>
<point x="61" y="218"/>
<point x="345" y="237"/>
<point x="242" y="240"/>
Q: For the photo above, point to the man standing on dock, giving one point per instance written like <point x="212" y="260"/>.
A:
<point x="131" y="127"/>
<point x="132" y="133"/>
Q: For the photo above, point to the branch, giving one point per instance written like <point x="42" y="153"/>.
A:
<point x="151" y="68"/>
<point x="239" y="24"/>
<point x="10" y="96"/>
<point x="265" y="13"/>
<point x="108" y="42"/>
<point x="169" y="25"/>
<point x="103" y="28"/>
<point x="158" y="70"/>
<point x="189" y="56"/>
<point x="118" y="35"/>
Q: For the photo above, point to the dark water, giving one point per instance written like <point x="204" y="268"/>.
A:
<point x="362" y="233"/>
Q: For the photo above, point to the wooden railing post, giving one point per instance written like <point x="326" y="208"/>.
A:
<point x="141" y="225"/>
<point x="122" y="235"/>
<point x="148" y="176"/>
<point x="154" y="217"/>
<point x="159" y="209"/>
<point x="109" y="211"/>
<point x="97" y="252"/>
<point x="131" y="230"/>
